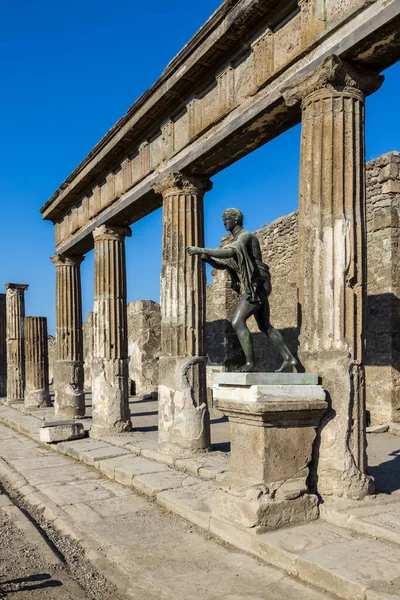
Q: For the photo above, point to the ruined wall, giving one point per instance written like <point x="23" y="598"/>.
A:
<point x="383" y="313"/>
<point x="52" y="356"/>
<point x="87" y="332"/>
<point x="144" y="344"/>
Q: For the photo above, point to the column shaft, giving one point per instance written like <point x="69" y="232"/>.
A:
<point x="15" y="304"/>
<point x="183" y="413"/>
<point x="110" y="385"/>
<point x="69" y="399"/>
<point x="332" y="265"/>
<point x="3" y="347"/>
<point x="36" y="362"/>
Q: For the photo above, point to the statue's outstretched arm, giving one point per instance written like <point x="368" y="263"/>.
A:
<point x="212" y="252"/>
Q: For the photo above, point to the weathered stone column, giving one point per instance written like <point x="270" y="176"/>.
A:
<point x="3" y="347"/>
<point x="332" y="264"/>
<point x="183" y="413"/>
<point x="15" y="302"/>
<point x="69" y="398"/>
<point x="110" y="385"/>
<point x="36" y="362"/>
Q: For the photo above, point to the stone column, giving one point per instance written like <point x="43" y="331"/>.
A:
<point x="3" y="347"/>
<point x="332" y="264"/>
<point x="110" y="385"/>
<point x="183" y="413"/>
<point x="36" y="362"/>
<point x="69" y="401"/>
<point x="15" y="306"/>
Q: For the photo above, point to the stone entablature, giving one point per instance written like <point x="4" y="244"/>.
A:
<point x="254" y="49"/>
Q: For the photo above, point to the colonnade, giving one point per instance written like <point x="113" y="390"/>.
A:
<point x="331" y="292"/>
<point x="24" y="359"/>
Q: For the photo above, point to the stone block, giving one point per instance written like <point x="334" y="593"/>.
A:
<point x="266" y="379"/>
<point x="61" y="433"/>
<point x="378" y="428"/>
<point x="273" y="428"/>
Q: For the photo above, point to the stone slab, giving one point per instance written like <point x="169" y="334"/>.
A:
<point x="124" y="468"/>
<point x="378" y="428"/>
<point x="191" y="502"/>
<point x="394" y="428"/>
<point x="153" y="483"/>
<point x="93" y="457"/>
<point x="61" y="433"/>
<point x="266" y="378"/>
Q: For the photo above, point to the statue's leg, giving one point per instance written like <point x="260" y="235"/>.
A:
<point x="262" y="317"/>
<point x="243" y="311"/>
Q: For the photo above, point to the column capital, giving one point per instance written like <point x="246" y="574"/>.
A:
<point x="334" y="75"/>
<point x="67" y="260"/>
<point x="183" y="182"/>
<point x="111" y="232"/>
<point x="22" y="287"/>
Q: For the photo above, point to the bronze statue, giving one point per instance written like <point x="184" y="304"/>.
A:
<point x="242" y="259"/>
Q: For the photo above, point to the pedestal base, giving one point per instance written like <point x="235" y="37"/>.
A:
<point x="37" y="399"/>
<point x="69" y="398"/>
<point x="183" y="416"/>
<point x="273" y="428"/>
<point x="111" y="413"/>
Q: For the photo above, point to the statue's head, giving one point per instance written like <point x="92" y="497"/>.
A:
<point x="232" y="217"/>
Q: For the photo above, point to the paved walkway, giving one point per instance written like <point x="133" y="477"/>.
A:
<point x="145" y="551"/>
<point x="353" y="551"/>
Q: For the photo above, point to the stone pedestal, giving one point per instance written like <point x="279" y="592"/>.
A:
<point x="273" y="420"/>
<point x="3" y="347"/>
<point x="332" y="264"/>
<point x="15" y="306"/>
<point x="110" y="382"/>
<point x="69" y="398"/>
<point x="183" y="412"/>
<point x="36" y="363"/>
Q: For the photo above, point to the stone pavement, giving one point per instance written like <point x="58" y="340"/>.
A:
<point x="353" y="551"/>
<point x="143" y="550"/>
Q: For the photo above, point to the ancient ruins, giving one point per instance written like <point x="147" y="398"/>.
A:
<point x="255" y="69"/>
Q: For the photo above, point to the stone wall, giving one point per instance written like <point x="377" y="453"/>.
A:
<point x="144" y="344"/>
<point x="383" y="314"/>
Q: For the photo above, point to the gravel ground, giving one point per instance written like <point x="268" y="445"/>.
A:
<point x="26" y="574"/>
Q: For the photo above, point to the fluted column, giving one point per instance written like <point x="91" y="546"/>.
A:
<point x="69" y="400"/>
<point x="110" y="385"/>
<point x="332" y="264"/>
<point x="183" y="413"/>
<point x="15" y="306"/>
<point x="36" y="362"/>
<point x="3" y="347"/>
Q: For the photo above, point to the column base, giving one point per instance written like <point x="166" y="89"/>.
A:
<point x="340" y="462"/>
<point x="183" y="416"/>
<point x="69" y="399"/>
<point x="37" y="399"/>
<point x="111" y="413"/>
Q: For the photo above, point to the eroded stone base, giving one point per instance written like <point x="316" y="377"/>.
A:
<point x="340" y="460"/>
<point x="262" y="513"/>
<point x="69" y="400"/>
<point x="184" y="419"/>
<point x="37" y="399"/>
<point x="111" y="413"/>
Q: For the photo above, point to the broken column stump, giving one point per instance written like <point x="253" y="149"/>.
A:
<point x="273" y="426"/>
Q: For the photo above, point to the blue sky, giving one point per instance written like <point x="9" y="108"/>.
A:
<point x="69" y="71"/>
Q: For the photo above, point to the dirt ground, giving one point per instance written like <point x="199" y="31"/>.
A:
<point x="37" y="571"/>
